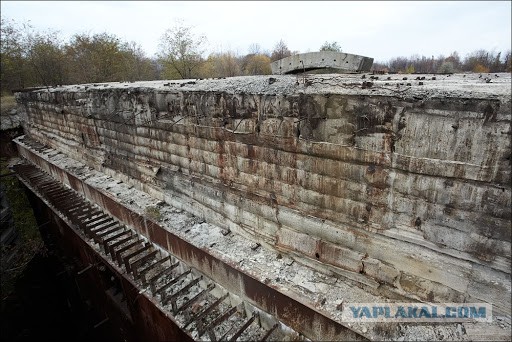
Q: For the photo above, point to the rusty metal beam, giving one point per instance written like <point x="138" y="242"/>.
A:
<point x="112" y="238"/>
<point x="145" y="304"/>
<point x="127" y="258"/>
<point x="162" y="289"/>
<point x="69" y="199"/>
<point x="92" y="225"/>
<point x="57" y="191"/>
<point x="98" y="230"/>
<point x="160" y="274"/>
<point x="85" y="212"/>
<point x="297" y="315"/>
<point x="197" y="297"/>
<point x="51" y="194"/>
<point x="145" y="271"/>
<point x="120" y="252"/>
<point x="136" y="264"/>
<point x="200" y="315"/>
<point x="112" y="247"/>
<point x="241" y="330"/>
<point x="47" y="187"/>
<point x="73" y="204"/>
<point x="91" y="212"/>
<point x="91" y="221"/>
<point x="76" y="213"/>
<point x="221" y="318"/>
<point x="269" y="332"/>
<point x="172" y="298"/>
<point x="42" y="180"/>
<point x="76" y="210"/>
<point x="107" y="232"/>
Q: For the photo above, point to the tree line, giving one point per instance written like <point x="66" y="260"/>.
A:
<point x="31" y="58"/>
<point x="479" y="61"/>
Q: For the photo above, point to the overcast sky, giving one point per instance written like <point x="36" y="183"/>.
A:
<point x="381" y="30"/>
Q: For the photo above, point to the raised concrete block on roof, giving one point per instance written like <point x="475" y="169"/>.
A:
<point x="329" y="60"/>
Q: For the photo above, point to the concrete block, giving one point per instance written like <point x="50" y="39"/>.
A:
<point x="298" y="242"/>
<point x="339" y="61"/>
<point x="340" y="257"/>
<point x="379" y="271"/>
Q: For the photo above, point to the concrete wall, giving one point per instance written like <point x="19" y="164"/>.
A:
<point x="406" y="194"/>
<point x="344" y="62"/>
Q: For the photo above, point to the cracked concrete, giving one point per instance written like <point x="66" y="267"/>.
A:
<point x="390" y="188"/>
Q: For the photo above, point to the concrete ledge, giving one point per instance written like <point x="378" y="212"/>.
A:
<point x="341" y="62"/>
<point x="298" y="315"/>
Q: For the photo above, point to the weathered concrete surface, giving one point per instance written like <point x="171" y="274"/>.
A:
<point x="314" y="288"/>
<point x="152" y="317"/>
<point x="331" y="60"/>
<point x="401" y="188"/>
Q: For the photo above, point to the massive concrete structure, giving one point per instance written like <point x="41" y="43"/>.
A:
<point x="301" y="195"/>
<point x="325" y="61"/>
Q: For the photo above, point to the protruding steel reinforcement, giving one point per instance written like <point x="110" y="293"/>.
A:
<point x="191" y="295"/>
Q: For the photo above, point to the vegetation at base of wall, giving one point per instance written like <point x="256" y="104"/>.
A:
<point x="7" y="103"/>
<point x="29" y="241"/>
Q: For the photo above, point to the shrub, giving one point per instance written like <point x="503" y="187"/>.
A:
<point x="446" y="68"/>
<point x="153" y="213"/>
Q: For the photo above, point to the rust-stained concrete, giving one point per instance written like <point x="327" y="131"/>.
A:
<point x="145" y="313"/>
<point x="400" y="186"/>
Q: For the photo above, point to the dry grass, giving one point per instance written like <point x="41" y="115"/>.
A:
<point x="6" y="104"/>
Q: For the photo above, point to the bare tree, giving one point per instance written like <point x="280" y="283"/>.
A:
<point x="226" y="64"/>
<point x="137" y="66"/>
<point x="280" y="51"/>
<point x="180" y="51"/>
<point x="13" y="54"/>
<point x="507" y="62"/>
<point x="254" y="49"/>
<point x="46" y="57"/>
